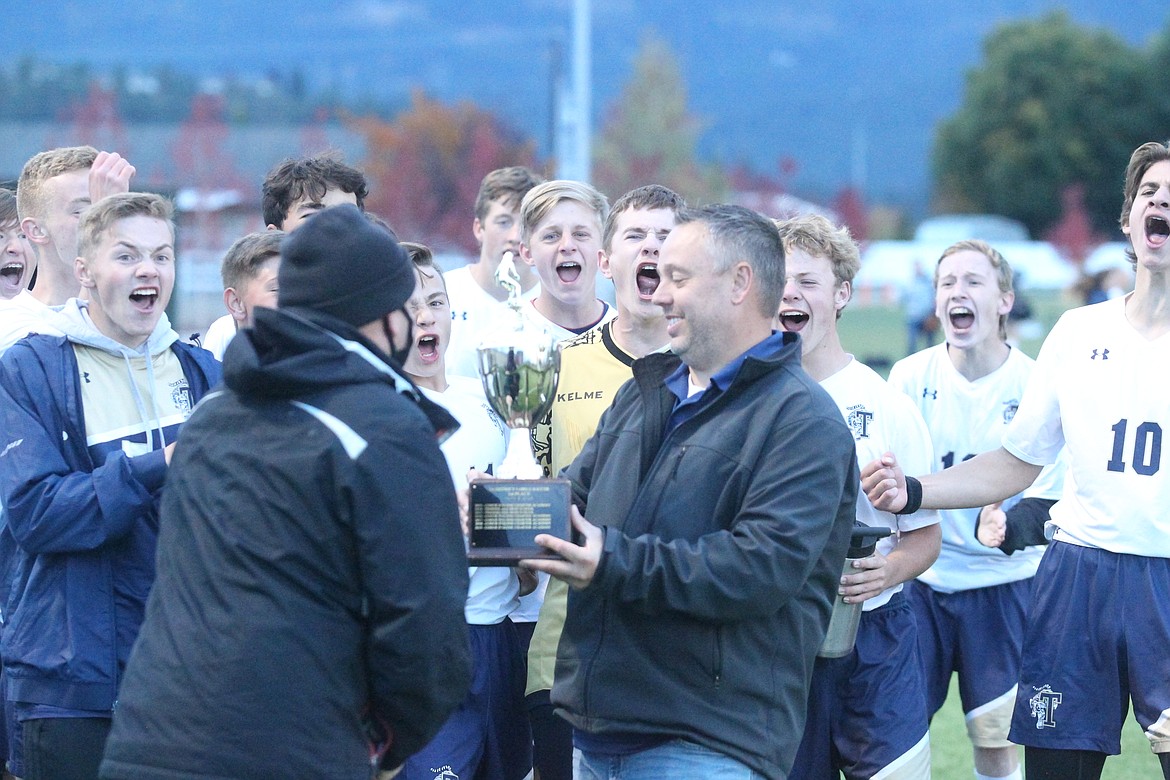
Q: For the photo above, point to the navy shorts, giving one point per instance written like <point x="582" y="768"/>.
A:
<point x="1099" y="637"/>
<point x="979" y="634"/>
<point x="488" y="736"/>
<point x="867" y="710"/>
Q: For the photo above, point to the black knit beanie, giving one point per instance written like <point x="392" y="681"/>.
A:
<point x="342" y="264"/>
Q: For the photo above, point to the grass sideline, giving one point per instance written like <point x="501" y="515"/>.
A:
<point x="950" y="752"/>
<point x="876" y="335"/>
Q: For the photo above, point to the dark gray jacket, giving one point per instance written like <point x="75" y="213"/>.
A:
<point x="723" y="546"/>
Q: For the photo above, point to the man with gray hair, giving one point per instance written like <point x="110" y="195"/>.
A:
<point x="716" y="533"/>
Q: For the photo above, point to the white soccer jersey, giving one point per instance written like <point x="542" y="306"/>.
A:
<point x="562" y="333"/>
<point x="882" y="420"/>
<point x="966" y="418"/>
<point x="219" y="334"/>
<point x="1101" y="389"/>
<point x="480" y="442"/>
<point x="22" y="315"/>
<point x="473" y="313"/>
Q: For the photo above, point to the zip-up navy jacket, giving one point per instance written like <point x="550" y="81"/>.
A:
<point x="724" y="541"/>
<point x="80" y="535"/>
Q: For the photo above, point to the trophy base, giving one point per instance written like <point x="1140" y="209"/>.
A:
<point x="505" y="516"/>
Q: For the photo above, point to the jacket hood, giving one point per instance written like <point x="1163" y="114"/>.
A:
<point x="292" y="353"/>
<point x="74" y="322"/>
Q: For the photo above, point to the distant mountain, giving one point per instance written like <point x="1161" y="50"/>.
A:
<point x="849" y="90"/>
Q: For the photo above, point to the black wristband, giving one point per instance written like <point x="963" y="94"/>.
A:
<point x="913" y="497"/>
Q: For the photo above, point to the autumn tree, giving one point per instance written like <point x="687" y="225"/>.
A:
<point x="649" y="137"/>
<point x="1052" y="106"/>
<point x="1073" y="234"/>
<point x="202" y="162"/>
<point x="425" y="167"/>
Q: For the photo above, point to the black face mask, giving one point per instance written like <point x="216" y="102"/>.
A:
<point x="399" y="356"/>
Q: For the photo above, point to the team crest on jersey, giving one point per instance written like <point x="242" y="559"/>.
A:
<point x="1009" y="410"/>
<point x="858" y="419"/>
<point x="181" y="396"/>
<point x="444" y="773"/>
<point x="1043" y="704"/>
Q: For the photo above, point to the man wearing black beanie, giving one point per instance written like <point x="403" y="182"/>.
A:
<point x="307" y="616"/>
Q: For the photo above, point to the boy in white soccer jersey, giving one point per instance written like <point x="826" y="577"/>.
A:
<point x="488" y="735"/>
<point x="867" y="710"/>
<point x="1099" y="625"/>
<point x="971" y="605"/>
<point x="593" y="366"/>
<point x="294" y="190"/>
<point x="561" y="224"/>
<point x="249" y="281"/>
<point x="476" y="297"/>
<point x="16" y="258"/>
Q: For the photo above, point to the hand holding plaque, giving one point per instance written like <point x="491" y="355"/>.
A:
<point x="519" y="363"/>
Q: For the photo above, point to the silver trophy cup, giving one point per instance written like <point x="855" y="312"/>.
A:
<point x="519" y="363"/>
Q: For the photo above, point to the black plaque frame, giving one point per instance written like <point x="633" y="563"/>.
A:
<point x="505" y="515"/>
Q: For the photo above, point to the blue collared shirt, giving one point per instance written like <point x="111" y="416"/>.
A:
<point x="687" y="406"/>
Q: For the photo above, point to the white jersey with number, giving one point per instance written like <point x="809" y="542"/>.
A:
<point x="1102" y="390"/>
<point x="966" y="418"/>
<point x="473" y="314"/>
<point x="882" y="420"/>
<point x="479" y="443"/>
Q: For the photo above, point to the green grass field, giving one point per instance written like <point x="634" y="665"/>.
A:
<point x="951" y="752"/>
<point x="876" y="335"/>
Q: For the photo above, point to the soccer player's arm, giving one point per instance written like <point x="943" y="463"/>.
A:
<point x="1036" y="436"/>
<point x="414" y="571"/>
<point x="1021" y="526"/>
<point x="1024" y="523"/>
<point x="985" y="479"/>
<point x="51" y="507"/>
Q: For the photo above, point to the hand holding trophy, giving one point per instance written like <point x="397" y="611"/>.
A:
<point x="519" y="363"/>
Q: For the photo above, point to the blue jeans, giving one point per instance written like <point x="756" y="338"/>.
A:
<point x="677" y="759"/>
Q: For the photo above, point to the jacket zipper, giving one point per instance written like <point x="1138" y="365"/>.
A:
<point x="718" y="655"/>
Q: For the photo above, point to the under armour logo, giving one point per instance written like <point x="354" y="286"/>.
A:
<point x="1043" y="705"/>
<point x="1102" y="353"/>
<point x="85" y="376"/>
<point x="931" y="394"/>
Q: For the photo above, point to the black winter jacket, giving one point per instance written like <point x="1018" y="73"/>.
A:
<point x="724" y="542"/>
<point x="311" y="572"/>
